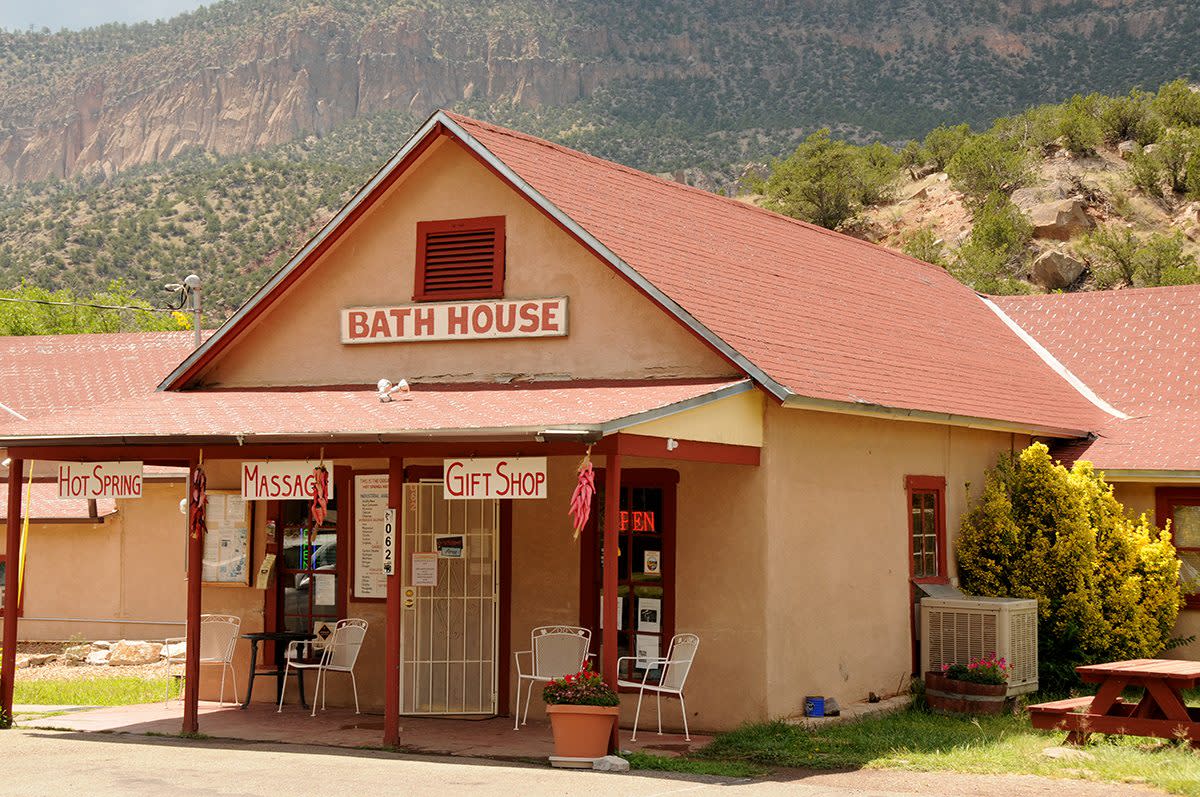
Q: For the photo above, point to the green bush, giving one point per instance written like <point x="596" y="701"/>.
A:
<point x="986" y="164"/>
<point x="1174" y="153"/>
<point x="923" y="244"/>
<point x="1078" y="127"/>
<point x="942" y="143"/>
<point x="1131" y="117"/>
<point x="1177" y="104"/>
<point x="1000" y="225"/>
<point x="1145" y="172"/>
<point x="1107" y="585"/>
<point x="1118" y="257"/>
<point x="827" y="181"/>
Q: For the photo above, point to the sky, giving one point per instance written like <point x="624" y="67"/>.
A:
<point x="55" y="14"/>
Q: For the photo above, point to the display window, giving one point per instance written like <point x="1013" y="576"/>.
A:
<point x="645" y="566"/>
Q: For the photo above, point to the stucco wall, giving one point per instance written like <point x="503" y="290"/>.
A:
<point x="1138" y="498"/>
<point x="615" y="332"/>
<point x="837" y="570"/>
<point x="128" y="567"/>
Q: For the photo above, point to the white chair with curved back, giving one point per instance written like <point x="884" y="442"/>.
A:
<point x="554" y="651"/>
<point x="218" y="638"/>
<point x="673" y="673"/>
<point x="339" y="654"/>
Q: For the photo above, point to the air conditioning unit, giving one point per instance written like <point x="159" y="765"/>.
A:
<point x="958" y="630"/>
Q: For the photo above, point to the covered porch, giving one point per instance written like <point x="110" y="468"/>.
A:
<point x="340" y="727"/>
<point x="655" y="431"/>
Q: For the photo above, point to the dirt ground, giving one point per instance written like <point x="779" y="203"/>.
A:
<point x="64" y="672"/>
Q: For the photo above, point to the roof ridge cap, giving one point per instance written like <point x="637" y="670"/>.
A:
<point x="709" y="195"/>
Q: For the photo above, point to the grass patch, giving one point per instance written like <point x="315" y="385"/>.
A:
<point x="696" y="766"/>
<point x="100" y="691"/>
<point x="916" y="740"/>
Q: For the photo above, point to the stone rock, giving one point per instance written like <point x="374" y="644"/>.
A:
<point x="97" y="658"/>
<point x="1054" y="270"/>
<point x="175" y="650"/>
<point x="1060" y="220"/>
<point x="1126" y="149"/>
<point x="131" y="653"/>
<point x="77" y="653"/>
<point x="102" y="645"/>
<point x="1067" y="753"/>
<point x="1034" y="195"/>
<point x="610" y="763"/>
<point x="33" y="659"/>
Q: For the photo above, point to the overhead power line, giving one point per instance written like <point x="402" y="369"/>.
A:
<point x="92" y="305"/>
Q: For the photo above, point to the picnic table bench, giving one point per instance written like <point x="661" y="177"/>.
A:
<point x="1161" y="711"/>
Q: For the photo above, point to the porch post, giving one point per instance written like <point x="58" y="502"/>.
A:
<point x="391" y="670"/>
<point x="8" y="666"/>
<point x="191" y="666"/>
<point x="612" y="515"/>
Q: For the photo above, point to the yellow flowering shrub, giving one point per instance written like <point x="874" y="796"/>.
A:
<point x="1107" y="585"/>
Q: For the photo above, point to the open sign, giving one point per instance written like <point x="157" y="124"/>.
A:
<point x="523" y="477"/>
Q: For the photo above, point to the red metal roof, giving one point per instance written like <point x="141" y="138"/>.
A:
<point x="1137" y="349"/>
<point x="48" y="507"/>
<point x="823" y="314"/>
<point x="357" y="413"/>
<point x="46" y="373"/>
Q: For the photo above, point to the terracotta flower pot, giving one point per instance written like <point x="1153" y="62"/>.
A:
<point x="582" y="731"/>
<point x="948" y="696"/>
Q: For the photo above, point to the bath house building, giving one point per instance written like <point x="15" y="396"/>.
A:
<point x="786" y="425"/>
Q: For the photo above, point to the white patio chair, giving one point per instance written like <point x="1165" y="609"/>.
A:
<point x="554" y="651"/>
<point x="218" y="638"/>
<point x="673" y="675"/>
<point x="338" y="654"/>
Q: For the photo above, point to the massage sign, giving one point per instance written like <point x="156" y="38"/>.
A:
<point x="414" y="323"/>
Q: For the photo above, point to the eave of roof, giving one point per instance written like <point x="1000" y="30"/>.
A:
<point x="442" y="123"/>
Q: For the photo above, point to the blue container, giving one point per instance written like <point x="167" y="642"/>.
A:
<point x="814" y="706"/>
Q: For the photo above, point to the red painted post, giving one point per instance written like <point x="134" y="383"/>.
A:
<point x="612" y="508"/>
<point x="8" y="664"/>
<point x="191" y="666"/>
<point x="391" y="687"/>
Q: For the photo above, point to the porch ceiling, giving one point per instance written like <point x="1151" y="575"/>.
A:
<point x="428" y="412"/>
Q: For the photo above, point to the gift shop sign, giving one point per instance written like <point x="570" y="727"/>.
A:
<point x="414" y="323"/>
<point x="494" y="478"/>
<point x="99" y="480"/>
<point x="283" y="480"/>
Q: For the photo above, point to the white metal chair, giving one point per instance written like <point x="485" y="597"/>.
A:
<point x="338" y="654"/>
<point x="673" y="675"/>
<point x="218" y="638"/>
<point x="554" y="651"/>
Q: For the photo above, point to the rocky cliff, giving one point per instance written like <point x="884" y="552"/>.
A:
<point x="716" y="79"/>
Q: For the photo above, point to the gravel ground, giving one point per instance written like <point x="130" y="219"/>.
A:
<point x="64" y="672"/>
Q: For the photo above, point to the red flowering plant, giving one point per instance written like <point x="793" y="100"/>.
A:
<point x="584" y="688"/>
<point x="987" y="670"/>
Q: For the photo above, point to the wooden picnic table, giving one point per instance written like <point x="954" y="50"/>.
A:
<point x="1161" y="711"/>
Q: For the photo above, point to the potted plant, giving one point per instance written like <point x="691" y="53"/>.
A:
<point x="582" y="710"/>
<point x="978" y="687"/>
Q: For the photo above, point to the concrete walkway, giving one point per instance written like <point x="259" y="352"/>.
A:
<point x="49" y="764"/>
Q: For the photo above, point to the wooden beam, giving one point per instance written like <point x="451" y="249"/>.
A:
<point x="612" y="517"/>
<point x="636" y="445"/>
<point x="391" y="669"/>
<point x="8" y="662"/>
<point x="191" y="667"/>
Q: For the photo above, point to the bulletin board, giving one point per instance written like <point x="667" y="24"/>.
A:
<point x="227" y="543"/>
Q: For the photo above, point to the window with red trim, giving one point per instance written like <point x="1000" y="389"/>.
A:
<point x="460" y="259"/>
<point x="927" y="528"/>
<point x="1181" y="506"/>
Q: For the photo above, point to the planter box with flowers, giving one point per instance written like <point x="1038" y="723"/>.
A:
<point x="978" y="687"/>
<point x="582" y="710"/>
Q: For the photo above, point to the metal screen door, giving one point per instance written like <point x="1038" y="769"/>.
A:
<point x="448" y="637"/>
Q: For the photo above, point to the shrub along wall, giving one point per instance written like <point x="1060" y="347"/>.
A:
<point x="1107" y="585"/>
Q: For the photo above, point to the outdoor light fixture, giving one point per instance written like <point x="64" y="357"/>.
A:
<point x="672" y="444"/>
<point x="387" y="389"/>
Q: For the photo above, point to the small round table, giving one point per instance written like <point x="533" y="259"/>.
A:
<point x="281" y="640"/>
